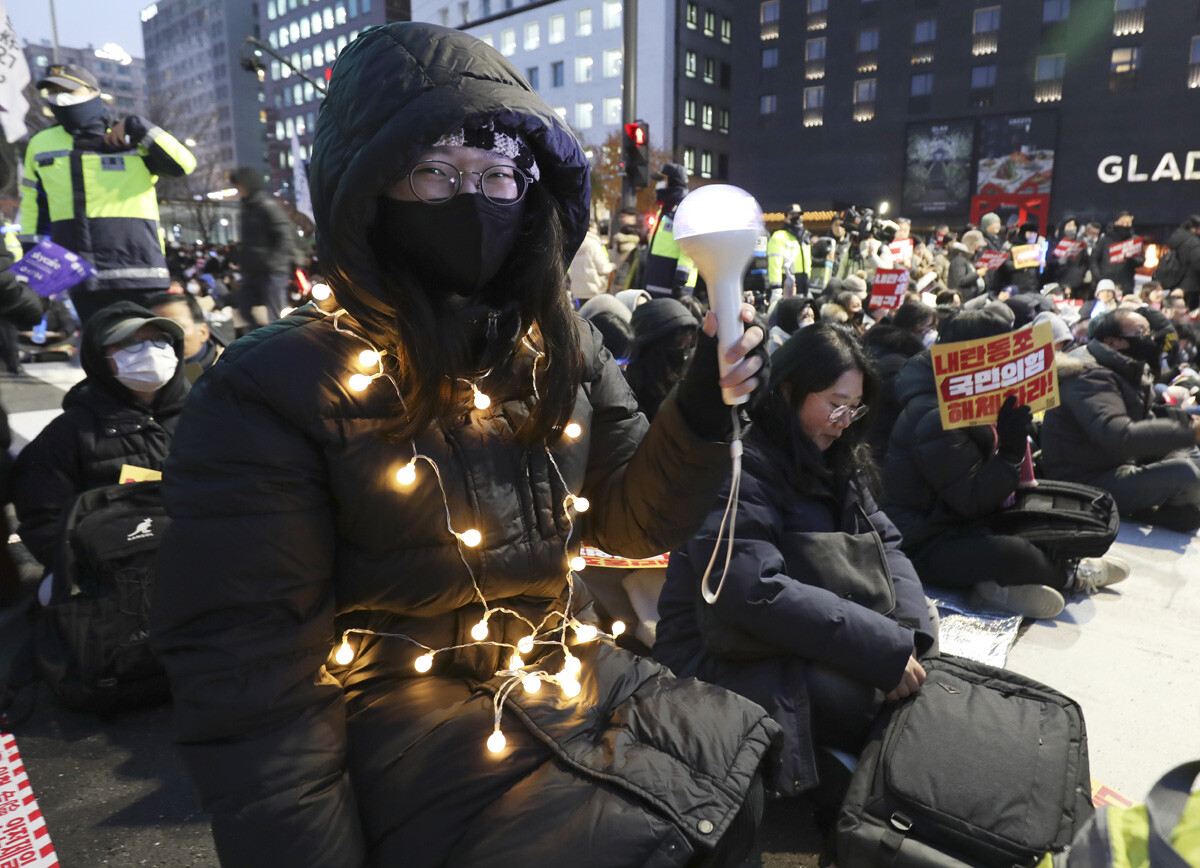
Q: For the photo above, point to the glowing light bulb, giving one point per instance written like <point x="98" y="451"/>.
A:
<point x="480" y="631"/>
<point x="423" y="663"/>
<point x="525" y="644"/>
<point x="618" y="627"/>
<point x="321" y="291"/>
<point x="286" y="311"/>
<point x="471" y="538"/>
<point x="407" y="474"/>
<point x="496" y="742"/>
<point x="358" y="382"/>
<point x="531" y="683"/>
<point x="515" y="662"/>
<point x="571" y="666"/>
<point x="582" y="504"/>
<point x="573" y="430"/>
<point x="482" y="401"/>
<point x="368" y="358"/>
<point x="344" y="653"/>
<point x="585" y="632"/>
<point x="570" y="687"/>
<point x="578" y="563"/>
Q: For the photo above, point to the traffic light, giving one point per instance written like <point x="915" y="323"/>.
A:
<point x="635" y="153"/>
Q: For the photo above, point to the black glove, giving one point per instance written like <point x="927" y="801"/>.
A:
<point x="699" y="396"/>
<point x="1012" y="427"/>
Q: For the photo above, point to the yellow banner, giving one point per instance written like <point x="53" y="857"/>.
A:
<point x="132" y="473"/>
<point x="974" y="377"/>
<point x="1026" y="256"/>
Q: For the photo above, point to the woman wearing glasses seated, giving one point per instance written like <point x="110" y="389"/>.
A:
<point x="819" y="617"/>
<point x="123" y="412"/>
<point x="384" y="662"/>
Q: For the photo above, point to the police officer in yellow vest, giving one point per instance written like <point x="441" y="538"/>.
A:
<point x="89" y="186"/>
<point x="789" y="257"/>
<point x="669" y="272"/>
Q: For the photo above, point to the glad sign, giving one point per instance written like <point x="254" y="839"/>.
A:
<point x="1135" y="170"/>
<point x="888" y="289"/>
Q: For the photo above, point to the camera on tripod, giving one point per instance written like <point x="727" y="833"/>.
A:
<point x="862" y="223"/>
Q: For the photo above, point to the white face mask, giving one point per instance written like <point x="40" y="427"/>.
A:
<point x="146" y="369"/>
<point x="929" y="338"/>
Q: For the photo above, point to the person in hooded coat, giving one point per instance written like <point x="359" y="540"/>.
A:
<point x="1122" y="271"/>
<point x="123" y="412"/>
<point x="819" y="616"/>
<point x="664" y="336"/>
<point x="369" y="503"/>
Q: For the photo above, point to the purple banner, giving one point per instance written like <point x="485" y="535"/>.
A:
<point x="50" y="269"/>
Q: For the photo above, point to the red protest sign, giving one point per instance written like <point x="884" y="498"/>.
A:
<point x="902" y="252"/>
<point x="888" y="289"/>
<point x="1127" y="249"/>
<point x="992" y="259"/>
<point x="1067" y="248"/>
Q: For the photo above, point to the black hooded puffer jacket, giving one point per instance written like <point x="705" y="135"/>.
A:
<point x="102" y="427"/>
<point x="304" y="762"/>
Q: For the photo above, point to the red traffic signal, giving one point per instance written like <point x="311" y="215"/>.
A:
<point x="635" y="153"/>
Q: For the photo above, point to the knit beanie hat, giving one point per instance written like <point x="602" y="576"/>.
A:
<point x="659" y="317"/>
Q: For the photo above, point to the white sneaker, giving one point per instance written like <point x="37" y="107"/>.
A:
<point x="1092" y="574"/>
<point x="1028" y="601"/>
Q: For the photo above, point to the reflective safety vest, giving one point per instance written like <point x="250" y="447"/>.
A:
<point x="669" y="271"/>
<point x="787" y="256"/>
<point x="102" y="205"/>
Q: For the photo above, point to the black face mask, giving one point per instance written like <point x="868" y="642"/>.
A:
<point x="796" y="227"/>
<point x="89" y="117"/>
<point x="454" y="247"/>
<point x="1122" y="232"/>
<point x="1145" y="349"/>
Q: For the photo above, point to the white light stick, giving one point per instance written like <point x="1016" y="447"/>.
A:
<point x="717" y="226"/>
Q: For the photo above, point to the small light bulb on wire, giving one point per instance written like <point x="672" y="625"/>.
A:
<point x="480" y="631"/>
<point x="286" y="311"/>
<point x="578" y="563"/>
<point x="531" y="683"/>
<point x="407" y="474"/>
<point x="369" y="358"/>
<point x="496" y="742"/>
<point x="573" y="430"/>
<point x="585" y="632"/>
<point x="618" y="627"/>
<point x="482" y="401"/>
<point x="471" y="538"/>
<point x="581" y="504"/>
<point x="423" y="663"/>
<point x="321" y="291"/>
<point x="570" y="687"/>
<point x="525" y="644"/>
<point x="571" y="666"/>
<point x="345" y="654"/>
<point x="358" y="382"/>
<point x="515" y="661"/>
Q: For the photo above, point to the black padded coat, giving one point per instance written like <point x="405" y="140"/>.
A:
<point x="304" y="762"/>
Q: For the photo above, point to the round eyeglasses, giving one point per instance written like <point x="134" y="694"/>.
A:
<point x="434" y="181"/>
<point x="846" y="413"/>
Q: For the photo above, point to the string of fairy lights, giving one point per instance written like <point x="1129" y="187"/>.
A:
<point x="555" y="626"/>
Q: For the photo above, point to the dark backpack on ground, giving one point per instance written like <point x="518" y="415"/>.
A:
<point x="1170" y="270"/>
<point x="1066" y="520"/>
<point x="92" y="642"/>
<point x="980" y="767"/>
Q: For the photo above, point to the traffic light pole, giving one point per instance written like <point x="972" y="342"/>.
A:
<point x="629" y="88"/>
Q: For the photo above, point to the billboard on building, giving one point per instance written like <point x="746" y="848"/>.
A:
<point x="937" y="168"/>
<point x="1016" y="154"/>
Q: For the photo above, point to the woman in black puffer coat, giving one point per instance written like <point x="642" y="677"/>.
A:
<point x="299" y="462"/>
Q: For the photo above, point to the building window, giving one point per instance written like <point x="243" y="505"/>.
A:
<point x="710" y="71"/>
<point x="925" y="31"/>
<point x="868" y="40"/>
<point x="706" y="117"/>
<point x="690" y="61"/>
<point x="1126" y="60"/>
<point x="531" y="76"/>
<point x="689" y="112"/>
<point x="583" y="115"/>
<point x="556" y="32"/>
<point x="727" y="31"/>
<point x="922" y="84"/>
<point x="533" y="35"/>
<point x="814" y="49"/>
<point x="710" y="24"/>
<point x="818" y="6"/>
<point x="583" y="22"/>
<point x="1126" y="5"/>
<point x="612" y="13"/>
<point x="508" y="42"/>
<point x="557" y="77"/>
<point x="689" y="160"/>
<point x="766" y="104"/>
<point x="983" y="77"/>
<point x="723" y="120"/>
<point x="464" y="11"/>
<point x="705" y="164"/>
<point x="864" y="90"/>
<point x="1129" y="18"/>
<point x="692" y="16"/>
<point x="770" y="58"/>
<point x="768" y="20"/>
<point x="987" y="20"/>
<point x="583" y="69"/>
<point x="814" y="97"/>
<point x="1195" y="54"/>
<point x="1050" y="67"/>
<point x="1055" y="10"/>
<point x="612" y="110"/>
<point x="612" y="62"/>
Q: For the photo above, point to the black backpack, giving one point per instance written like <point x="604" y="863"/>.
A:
<point x="1066" y="520"/>
<point x="92" y="641"/>
<point x="981" y="767"/>
<point x="1170" y="270"/>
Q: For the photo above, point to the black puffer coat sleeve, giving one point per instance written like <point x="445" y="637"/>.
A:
<point x="650" y="490"/>
<point x="46" y="478"/>
<point x="243" y="618"/>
